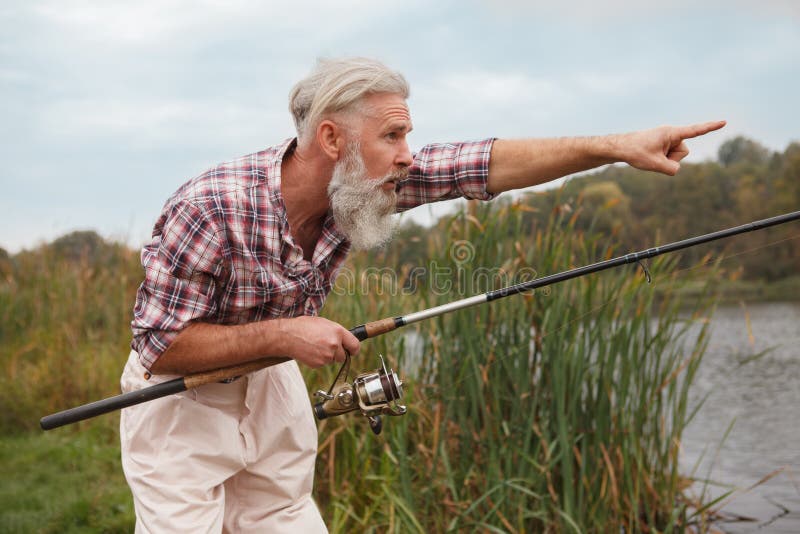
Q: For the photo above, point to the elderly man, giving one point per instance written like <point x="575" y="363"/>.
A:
<point x="241" y="260"/>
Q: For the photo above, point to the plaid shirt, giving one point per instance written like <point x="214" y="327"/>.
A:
<point x="221" y="251"/>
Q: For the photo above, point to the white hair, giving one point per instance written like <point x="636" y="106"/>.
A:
<point x="339" y="85"/>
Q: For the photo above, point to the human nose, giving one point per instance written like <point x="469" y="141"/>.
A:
<point x="404" y="157"/>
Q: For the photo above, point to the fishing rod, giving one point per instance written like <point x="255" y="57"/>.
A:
<point x="375" y="393"/>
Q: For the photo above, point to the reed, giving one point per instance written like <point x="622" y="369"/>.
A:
<point x="64" y="330"/>
<point x="557" y="411"/>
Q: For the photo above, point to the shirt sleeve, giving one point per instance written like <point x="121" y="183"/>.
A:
<point x="444" y="171"/>
<point x="182" y="268"/>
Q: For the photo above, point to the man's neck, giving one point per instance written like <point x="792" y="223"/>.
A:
<point x="304" y="187"/>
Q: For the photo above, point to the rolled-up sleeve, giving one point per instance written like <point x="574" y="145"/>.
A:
<point x="182" y="267"/>
<point x="445" y="171"/>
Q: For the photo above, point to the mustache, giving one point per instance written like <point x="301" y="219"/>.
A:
<point x="396" y="176"/>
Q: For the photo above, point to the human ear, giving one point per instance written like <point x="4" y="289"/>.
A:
<point x="330" y="137"/>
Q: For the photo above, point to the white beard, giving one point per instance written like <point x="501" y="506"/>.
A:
<point x="362" y="209"/>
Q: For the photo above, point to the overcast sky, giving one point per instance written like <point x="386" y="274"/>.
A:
<point x="106" y="107"/>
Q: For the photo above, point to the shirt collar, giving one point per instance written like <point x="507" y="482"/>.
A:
<point x="274" y="171"/>
<point x="331" y="237"/>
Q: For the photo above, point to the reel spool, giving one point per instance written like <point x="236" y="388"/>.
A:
<point x="373" y="393"/>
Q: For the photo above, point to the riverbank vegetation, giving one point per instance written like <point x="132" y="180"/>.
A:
<point x="560" y="410"/>
<point x="635" y="210"/>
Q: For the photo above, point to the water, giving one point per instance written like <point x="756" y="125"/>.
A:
<point x="762" y="398"/>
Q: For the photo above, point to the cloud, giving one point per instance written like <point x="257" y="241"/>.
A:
<point x="513" y="102"/>
<point x="114" y="22"/>
<point x="611" y="83"/>
<point x="488" y="87"/>
<point x="154" y="23"/>
<point x="14" y="75"/>
<point x="146" y="123"/>
<point x="468" y="102"/>
<point x="95" y="118"/>
<point x="591" y="10"/>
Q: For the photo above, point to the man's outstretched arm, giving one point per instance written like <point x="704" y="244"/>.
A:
<point x="515" y="164"/>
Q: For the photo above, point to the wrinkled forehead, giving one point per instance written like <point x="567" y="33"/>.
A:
<point x="384" y="110"/>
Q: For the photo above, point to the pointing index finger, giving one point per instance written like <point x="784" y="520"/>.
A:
<point x="695" y="130"/>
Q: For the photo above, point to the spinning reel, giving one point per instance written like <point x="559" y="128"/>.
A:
<point x="373" y="393"/>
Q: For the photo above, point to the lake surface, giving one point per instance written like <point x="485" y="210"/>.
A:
<point x="762" y="399"/>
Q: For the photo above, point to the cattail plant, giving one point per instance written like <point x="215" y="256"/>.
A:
<point x="556" y="411"/>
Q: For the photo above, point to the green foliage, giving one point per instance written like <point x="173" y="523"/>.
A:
<point x="64" y="482"/>
<point x="605" y="209"/>
<point x="64" y="328"/>
<point x="81" y="245"/>
<point x="557" y="411"/>
<point x="742" y="150"/>
<point x="5" y="264"/>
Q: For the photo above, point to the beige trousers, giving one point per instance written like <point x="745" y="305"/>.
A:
<point x="235" y="457"/>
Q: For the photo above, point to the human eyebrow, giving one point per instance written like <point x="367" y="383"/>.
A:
<point x="399" y="127"/>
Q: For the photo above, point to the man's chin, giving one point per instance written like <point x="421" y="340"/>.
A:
<point x="391" y="194"/>
<point x="373" y="236"/>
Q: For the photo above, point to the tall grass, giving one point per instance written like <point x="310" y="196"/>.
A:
<point x="556" y="411"/>
<point x="559" y="411"/>
<point x="64" y="330"/>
